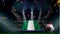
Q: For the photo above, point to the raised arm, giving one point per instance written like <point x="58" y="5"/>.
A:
<point x="16" y="15"/>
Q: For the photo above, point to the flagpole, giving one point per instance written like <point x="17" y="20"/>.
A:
<point x="24" y="15"/>
<point x="39" y="15"/>
<point x="31" y="14"/>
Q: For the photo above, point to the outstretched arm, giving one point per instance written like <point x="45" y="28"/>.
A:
<point x="16" y="15"/>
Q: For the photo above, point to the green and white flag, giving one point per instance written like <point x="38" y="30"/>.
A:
<point x="30" y="25"/>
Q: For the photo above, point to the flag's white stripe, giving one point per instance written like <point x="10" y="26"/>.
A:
<point x="30" y="25"/>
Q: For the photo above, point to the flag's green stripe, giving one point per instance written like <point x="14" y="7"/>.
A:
<point x="25" y="24"/>
<point x="36" y="25"/>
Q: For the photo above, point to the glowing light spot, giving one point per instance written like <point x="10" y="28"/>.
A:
<point x="21" y="1"/>
<point x="2" y="0"/>
<point x="17" y="0"/>
<point x="45" y="17"/>
<point x="3" y="17"/>
<point x="4" y="4"/>
<point x="58" y="1"/>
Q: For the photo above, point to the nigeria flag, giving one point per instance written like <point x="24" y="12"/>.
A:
<point x="30" y="25"/>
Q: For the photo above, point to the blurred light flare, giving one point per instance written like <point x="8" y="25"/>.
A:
<point x="3" y="0"/>
<point x="7" y="23"/>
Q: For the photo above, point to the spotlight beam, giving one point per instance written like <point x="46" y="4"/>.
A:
<point x="7" y="24"/>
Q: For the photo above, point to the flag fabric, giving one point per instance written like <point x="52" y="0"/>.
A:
<point x="32" y="24"/>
